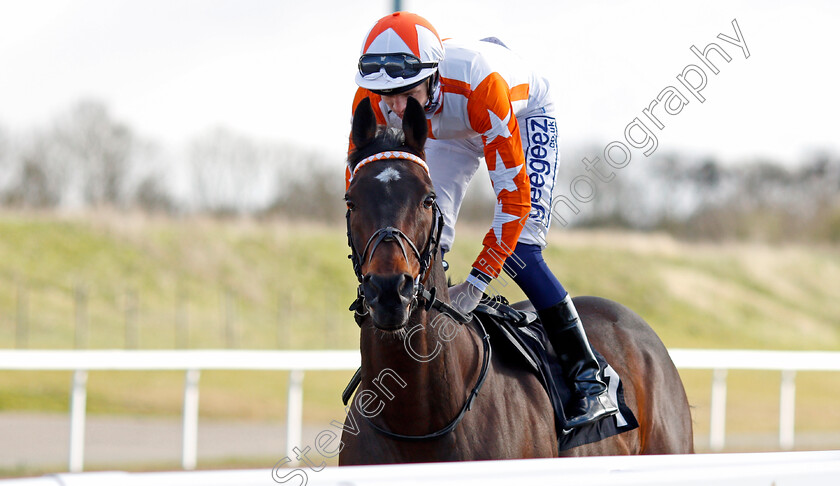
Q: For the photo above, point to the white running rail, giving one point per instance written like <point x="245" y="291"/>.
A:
<point x="297" y="362"/>
<point x="787" y="362"/>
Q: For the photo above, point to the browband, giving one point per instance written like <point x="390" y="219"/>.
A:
<point x="390" y="155"/>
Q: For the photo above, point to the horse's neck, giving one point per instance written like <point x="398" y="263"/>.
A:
<point x="437" y="369"/>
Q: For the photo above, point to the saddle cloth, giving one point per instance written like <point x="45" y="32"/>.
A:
<point x="520" y="335"/>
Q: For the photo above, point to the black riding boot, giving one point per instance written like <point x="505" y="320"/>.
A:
<point x="565" y="331"/>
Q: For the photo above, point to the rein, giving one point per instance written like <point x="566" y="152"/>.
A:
<point x="422" y="296"/>
<point x="485" y="365"/>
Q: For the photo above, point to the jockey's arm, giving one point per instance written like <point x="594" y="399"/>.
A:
<point x="491" y="114"/>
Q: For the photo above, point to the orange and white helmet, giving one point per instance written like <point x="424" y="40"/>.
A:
<point x="401" y="50"/>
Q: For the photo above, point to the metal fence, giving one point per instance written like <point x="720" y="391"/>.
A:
<point x="297" y="362"/>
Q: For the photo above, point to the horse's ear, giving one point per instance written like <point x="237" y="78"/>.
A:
<point x="414" y="125"/>
<point x="364" y="124"/>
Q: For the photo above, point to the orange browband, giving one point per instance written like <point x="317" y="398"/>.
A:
<point x="391" y="155"/>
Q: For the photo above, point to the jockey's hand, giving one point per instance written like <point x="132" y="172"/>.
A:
<point x="465" y="297"/>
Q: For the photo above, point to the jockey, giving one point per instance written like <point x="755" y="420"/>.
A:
<point x="482" y="100"/>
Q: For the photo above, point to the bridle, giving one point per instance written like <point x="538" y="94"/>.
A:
<point x="422" y="296"/>
<point x="390" y="233"/>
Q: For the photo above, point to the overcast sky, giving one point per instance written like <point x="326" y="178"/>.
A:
<point x="283" y="70"/>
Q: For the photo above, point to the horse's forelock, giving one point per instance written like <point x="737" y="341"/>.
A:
<point x="387" y="138"/>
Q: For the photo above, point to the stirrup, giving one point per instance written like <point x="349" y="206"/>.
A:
<point x="596" y="408"/>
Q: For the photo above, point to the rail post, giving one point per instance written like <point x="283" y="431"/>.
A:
<point x="189" y="444"/>
<point x="717" y="421"/>
<point x="78" y="405"/>
<point x="787" y="409"/>
<point x="294" y="413"/>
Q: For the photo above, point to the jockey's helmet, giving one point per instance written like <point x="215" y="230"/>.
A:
<point x="400" y="52"/>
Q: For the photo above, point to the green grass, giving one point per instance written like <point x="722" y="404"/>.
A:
<point x="200" y="283"/>
<point x="239" y="285"/>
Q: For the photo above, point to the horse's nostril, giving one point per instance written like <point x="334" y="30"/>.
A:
<point x="370" y="288"/>
<point x="389" y="290"/>
<point x="407" y="284"/>
<point x="373" y="284"/>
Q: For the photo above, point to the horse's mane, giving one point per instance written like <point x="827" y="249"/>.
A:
<point x="387" y="138"/>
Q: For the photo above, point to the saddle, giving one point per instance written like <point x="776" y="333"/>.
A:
<point x="520" y="336"/>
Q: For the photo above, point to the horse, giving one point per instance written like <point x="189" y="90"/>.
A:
<point x="422" y="369"/>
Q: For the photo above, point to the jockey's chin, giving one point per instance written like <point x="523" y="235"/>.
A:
<point x="397" y="102"/>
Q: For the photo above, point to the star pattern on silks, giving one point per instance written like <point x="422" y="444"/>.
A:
<point x="499" y="219"/>
<point x="502" y="177"/>
<point x="499" y="127"/>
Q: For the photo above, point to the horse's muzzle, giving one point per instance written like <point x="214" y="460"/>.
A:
<point x="389" y="299"/>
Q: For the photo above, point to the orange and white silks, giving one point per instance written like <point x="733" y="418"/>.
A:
<point x="487" y="91"/>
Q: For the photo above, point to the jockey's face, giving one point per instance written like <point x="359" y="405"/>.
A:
<point x="397" y="102"/>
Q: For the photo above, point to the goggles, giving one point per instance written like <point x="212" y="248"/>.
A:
<point x="395" y="65"/>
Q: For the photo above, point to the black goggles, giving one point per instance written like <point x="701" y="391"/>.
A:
<point x="396" y="65"/>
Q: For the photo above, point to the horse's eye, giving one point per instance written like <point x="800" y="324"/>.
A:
<point x="350" y="204"/>
<point x="429" y="201"/>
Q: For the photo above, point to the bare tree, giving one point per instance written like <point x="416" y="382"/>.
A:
<point x="6" y="165"/>
<point x="231" y="173"/>
<point x="39" y="175"/>
<point x="97" y="148"/>
<point x="315" y="194"/>
<point x="151" y="195"/>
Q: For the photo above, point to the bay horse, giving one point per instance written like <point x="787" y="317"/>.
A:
<point x="421" y="372"/>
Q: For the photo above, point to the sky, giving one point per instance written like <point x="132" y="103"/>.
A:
<point x="282" y="71"/>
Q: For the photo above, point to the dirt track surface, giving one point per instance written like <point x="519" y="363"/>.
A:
<point x="35" y="443"/>
<point x="38" y="441"/>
